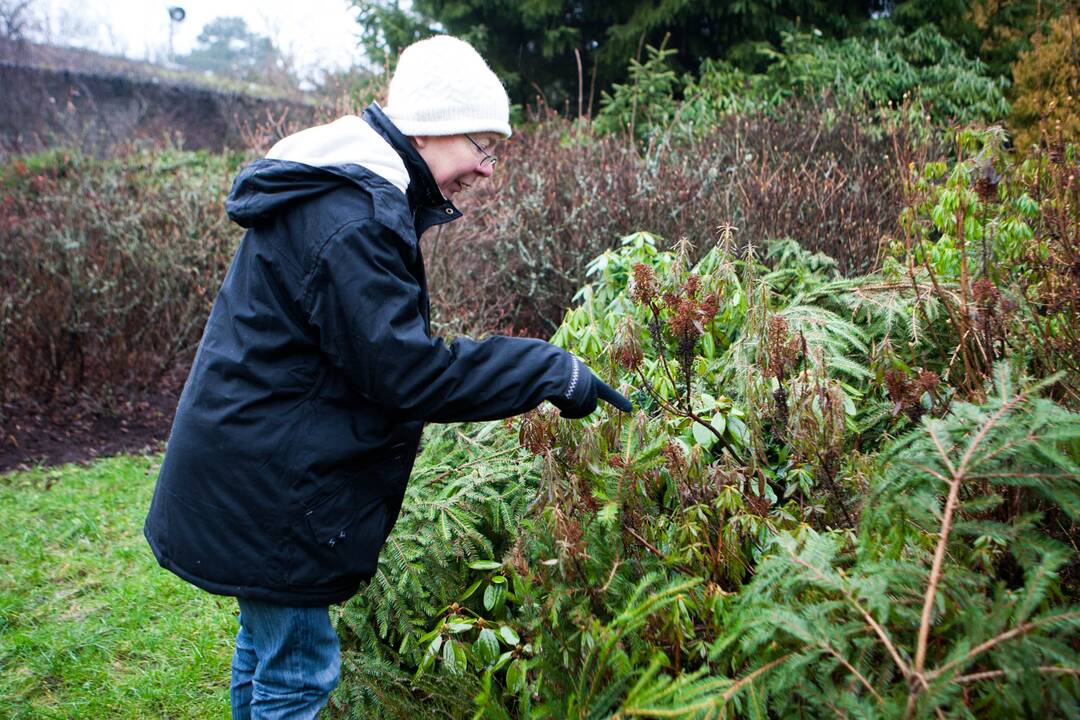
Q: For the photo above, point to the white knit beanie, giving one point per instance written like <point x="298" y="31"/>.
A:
<point x="443" y="87"/>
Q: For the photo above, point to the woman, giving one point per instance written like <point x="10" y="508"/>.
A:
<point x="296" y="431"/>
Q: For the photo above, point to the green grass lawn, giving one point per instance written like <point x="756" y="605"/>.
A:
<point x="90" y="626"/>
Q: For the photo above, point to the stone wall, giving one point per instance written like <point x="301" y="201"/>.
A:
<point x="45" y="107"/>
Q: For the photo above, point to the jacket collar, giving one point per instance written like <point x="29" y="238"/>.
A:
<point x="426" y="201"/>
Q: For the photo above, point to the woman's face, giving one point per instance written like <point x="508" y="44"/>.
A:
<point x="454" y="161"/>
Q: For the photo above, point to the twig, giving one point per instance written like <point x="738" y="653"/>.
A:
<point x="878" y="629"/>
<point x="611" y="576"/>
<point x="580" y="83"/>
<point x="660" y="352"/>
<point x="998" y="639"/>
<point x="730" y="692"/>
<point x="843" y="661"/>
<point x="644" y="542"/>
<point x="943" y="452"/>
<point x="684" y="413"/>
<point x="943" y="541"/>
<point x="456" y="468"/>
<point x="935" y="575"/>
<point x="991" y="674"/>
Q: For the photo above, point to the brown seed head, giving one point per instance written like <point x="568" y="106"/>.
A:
<point x="783" y="350"/>
<point x="927" y="381"/>
<point x="985" y="293"/>
<point x="693" y="284"/>
<point x="709" y="307"/>
<point x="896" y="385"/>
<point x="643" y="284"/>
<point x="676" y="459"/>
<point x="684" y="321"/>
<point x="627" y="349"/>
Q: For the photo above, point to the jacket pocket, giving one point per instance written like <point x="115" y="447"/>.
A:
<point x="342" y="531"/>
<point x="331" y="520"/>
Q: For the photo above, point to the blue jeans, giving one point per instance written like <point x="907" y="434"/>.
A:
<point x="286" y="663"/>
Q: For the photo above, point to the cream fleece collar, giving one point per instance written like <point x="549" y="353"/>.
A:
<point x="346" y="141"/>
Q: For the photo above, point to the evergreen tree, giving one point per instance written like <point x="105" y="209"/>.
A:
<point x="535" y="45"/>
<point x="226" y="47"/>
<point x="995" y="31"/>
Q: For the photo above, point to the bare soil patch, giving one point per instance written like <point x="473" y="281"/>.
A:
<point x="81" y="429"/>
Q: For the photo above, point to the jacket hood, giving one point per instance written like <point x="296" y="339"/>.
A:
<point x="367" y="152"/>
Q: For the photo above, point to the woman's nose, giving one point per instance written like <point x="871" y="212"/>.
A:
<point x="485" y="169"/>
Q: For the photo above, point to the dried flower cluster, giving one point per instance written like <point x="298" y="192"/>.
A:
<point x="643" y="284"/>
<point x="986" y="184"/>
<point x="783" y="353"/>
<point x="675" y="459"/>
<point x="906" y="391"/>
<point x="627" y="349"/>
<point x="783" y="350"/>
<point x="677" y="312"/>
<point x="537" y="433"/>
<point x="688" y="315"/>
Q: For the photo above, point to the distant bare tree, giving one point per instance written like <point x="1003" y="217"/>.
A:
<point x="15" y="19"/>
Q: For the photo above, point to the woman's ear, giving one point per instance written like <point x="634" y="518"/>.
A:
<point x="419" y="141"/>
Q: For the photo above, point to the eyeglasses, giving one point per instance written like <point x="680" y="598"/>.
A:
<point x="489" y="159"/>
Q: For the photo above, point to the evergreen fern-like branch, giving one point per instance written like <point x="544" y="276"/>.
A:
<point x="954" y="482"/>
<point x="1066" y="617"/>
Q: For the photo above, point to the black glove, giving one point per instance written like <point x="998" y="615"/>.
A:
<point x="583" y="390"/>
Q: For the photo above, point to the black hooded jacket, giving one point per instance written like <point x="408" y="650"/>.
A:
<point x="297" y="428"/>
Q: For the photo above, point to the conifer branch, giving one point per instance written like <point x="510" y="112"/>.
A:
<point x="1007" y="446"/>
<point x="862" y="678"/>
<point x="652" y="549"/>
<point x="644" y="542"/>
<point x="998" y="639"/>
<point x="946" y="522"/>
<point x="935" y="574"/>
<point x="1007" y="407"/>
<point x="877" y="628"/>
<point x="746" y="679"/>
<point x="944" y="454"/>
<point x="482" y="459"/>
<point x="951" y="503"/>
<point x="931" y="472"/>
<point x="704" y="705"/>
<point x="992" y="674"/>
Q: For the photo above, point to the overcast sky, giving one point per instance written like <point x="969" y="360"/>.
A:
<point x="316" y="33"/>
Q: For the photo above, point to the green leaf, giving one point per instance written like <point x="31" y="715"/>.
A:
<point x="703" y="436"/>
<point x="503" y="659"/>
<point x="460" y="626"/>
<point x="486" y="646"/>
<point x="435" y="646"/>
<point x="432" y="633"/>
<point x="738" y="430"/>
<point x="708" y="345"/>
<point x="450" y="657"/>
<point x="508" y="635"/>
<point x="472" y="588"/>
<point x="493" y="595"/>
<point x="461" y="658"/>
<point x="719" y="422"/>
<point x="485" y="565"/>
<point x="515" y="676"/>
